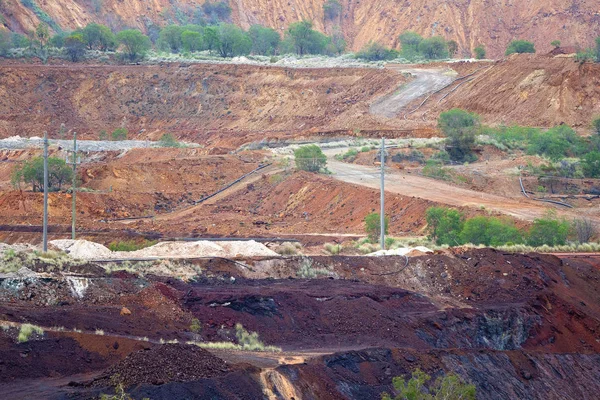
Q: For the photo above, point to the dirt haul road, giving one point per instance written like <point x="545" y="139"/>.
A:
<point x="425" y="81"/>
<point x="440" y="192"/>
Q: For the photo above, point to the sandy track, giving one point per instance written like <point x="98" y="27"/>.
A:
<point x="426" y="81"/>
<point x="441" y="192"/>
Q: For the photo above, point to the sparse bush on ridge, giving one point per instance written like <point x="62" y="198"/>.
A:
<point x="520" y="46"/>
<point x="310" y="158"/>
<point x="306" y="270"/>
<point x="450" y="387"/>
<point x="333" y="248"/>
<point x="130" y="245"/>
<point x="27" y="330"/>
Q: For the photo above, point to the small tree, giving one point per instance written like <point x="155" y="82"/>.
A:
<point x="58" y="41"/>
<point x="233" y="41"/>
<point x="376" y="52"/>
<point x="192" y="41"/>
<point x="42" y="34"/>
<point x="32" y="171"/>
<point x="96" y="36"/>
<point x="584" y="229"/>
<point x="490" y="231"/>
<point x="598" y="49"/>
<point x="410" y="44"/>
<point x="555" y="44"/>
<point x="75" y="47"/>
<point x="135" y="44"/>
<point x="373" y="226"/>
<point x="460" y="128"/>
<point x="591" y="164"/>
<point x="310" y="158"/>
<point x="332" y="9"/>
<point x="444" y="225"/>
<point x="480" y="52"/>
<point x="302" y="39"/>
<point x="452" y="47"/>
<point x="450" y="387"/>
<point x="168" y="140"/>
<point x="119" y="134"/>
<point x="265" y="41"/>
<point x="520" y="46"/>
<point x="211" y="38"/>
<point x="170" y="38"/>
<point x="434" y="48"/>
<point x="548" y="231"/>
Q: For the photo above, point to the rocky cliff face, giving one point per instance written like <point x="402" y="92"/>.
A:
<point x="469" y="22"/>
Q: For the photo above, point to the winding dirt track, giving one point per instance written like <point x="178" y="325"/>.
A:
<point x="441" y="192"/>
<point x="426" y="81"/>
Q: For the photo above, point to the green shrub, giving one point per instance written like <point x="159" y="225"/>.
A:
<point x="410" y="45"/>
<point x="490" y="231"/>
<point x="287" y="249"/>
<point x="444" y="225"/>
<point x="520" y="46"/>
<point x="548" y="231"/>
<point x="32" y="171"/>
<point x="373" y="226"/>
<point x="74" y="47"/>
<point x="591" y="164"/>
<point x="135" y="44"/>
<point x="306" y="270"/>
<point x="168" y="140"/>
<point x="130" y="245"/>
<point x="480" y="52"/>
<point x="348" y="156"/>
<point x="557" y="143"/>
<point x="96" y="36"/>
<point x="434" y="169"/>
<point x="333" y="248"/>
<point x="233" y="41"/>
<point x="192" y="41"/>
<point x="195" y="326"/>
<point x="301" y="39"/>
<point x="450" y="387"/>
<point x="376" y="52"/>
<point x="119" y="134"/>
<point x="441" y="157"/>
<point x="27" y="330"/>
<point x="585" y="55"/>
<point x="310" y="158"/>
<point x="434" y="48"/>
<point x="265" y="41"/>
<point x="460" y="128"/>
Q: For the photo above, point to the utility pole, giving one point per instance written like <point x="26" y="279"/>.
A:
<point x="382" y="213"/>
<point x="74" y="162"/>
<point x="45" y="223"/>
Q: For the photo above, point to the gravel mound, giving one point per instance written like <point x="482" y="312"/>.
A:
<point x="162" y="364"/>
<point x="86" y="250"/>
<point x="82" y="248"/>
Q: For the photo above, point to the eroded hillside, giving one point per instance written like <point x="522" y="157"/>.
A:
<point x="189" y="101"/>
<point x="469" y="22"/>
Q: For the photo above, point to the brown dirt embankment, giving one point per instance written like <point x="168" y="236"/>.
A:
<point x="215" y="105"/>
<point x="530" y="90"/>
